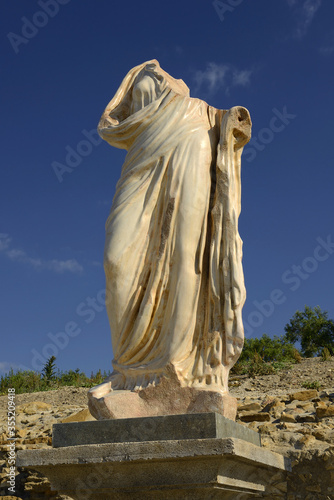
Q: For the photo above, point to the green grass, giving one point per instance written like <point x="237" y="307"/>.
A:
<point x="30" y="381"/>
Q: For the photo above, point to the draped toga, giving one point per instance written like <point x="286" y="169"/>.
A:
<point x="174" y="279"/>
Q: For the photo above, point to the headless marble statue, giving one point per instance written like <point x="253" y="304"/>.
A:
<point x="174" y="280"/>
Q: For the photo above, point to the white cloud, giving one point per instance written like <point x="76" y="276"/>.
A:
<point x="5" y="367"/>
<point x="217" y="76"/>
<point x="241" y="77"/>
<point x="60" y="266"/>
<point x="4" y="241"/>
<point x="305" y="11"/>
<point x="55" y="265"/>
<point x="16" y="254"/>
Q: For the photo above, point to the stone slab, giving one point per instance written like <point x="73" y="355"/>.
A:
<point x="175" y="469"/>
<point x="168" y="427"/>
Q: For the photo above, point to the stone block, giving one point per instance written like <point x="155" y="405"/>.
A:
<point x="168" y="427"/>
<point x="288" y="417"/>
<point x="325" y="412"/>
<point x="196" y="469"/>
<point x="254" y="406"/>
<point x="306" y="395"/>
<point x="253" y="416"/>
<point x="81" y="416"/>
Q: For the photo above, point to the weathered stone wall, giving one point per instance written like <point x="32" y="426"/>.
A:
<point x="293" y="421"/>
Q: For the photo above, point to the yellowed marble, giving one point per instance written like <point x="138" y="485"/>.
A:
<point x="174" y="278"/>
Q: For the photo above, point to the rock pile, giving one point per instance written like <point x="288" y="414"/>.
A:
<point x="295" y="421"/>
<point x="299" y="425"/>
<point x="35" y="415"/>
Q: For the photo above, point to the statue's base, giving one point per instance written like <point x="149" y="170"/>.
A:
<point x="193" y="457"/>
<point x="168" y="397"/>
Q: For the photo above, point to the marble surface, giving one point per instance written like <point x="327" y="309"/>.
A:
<point x="174" y="279"/>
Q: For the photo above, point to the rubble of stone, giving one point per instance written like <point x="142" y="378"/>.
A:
<point x="295" y="421"/>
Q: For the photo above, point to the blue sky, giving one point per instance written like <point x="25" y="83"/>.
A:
<point x="62" y="61"/>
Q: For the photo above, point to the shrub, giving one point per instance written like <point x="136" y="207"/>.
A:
<point x="22" y="381"/>
<point x="281" y="365"/>
<point x="30" y="381"/>
<point x="259" y="367"/>
<point x="269" y="349"/>
<point x="265" y="355"/>
<point x="297" y="357"/>
<point x="325" y="354"/>
<point x="312" y="385"/>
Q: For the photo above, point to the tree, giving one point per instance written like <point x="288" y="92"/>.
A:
<point x="313" y="329"/>
<point x="49" y="369"/>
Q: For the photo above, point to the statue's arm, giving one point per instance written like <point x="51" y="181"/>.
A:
<point x="240" y="125"/>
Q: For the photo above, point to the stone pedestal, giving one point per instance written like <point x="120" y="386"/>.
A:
<point x="200" y="456"/>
